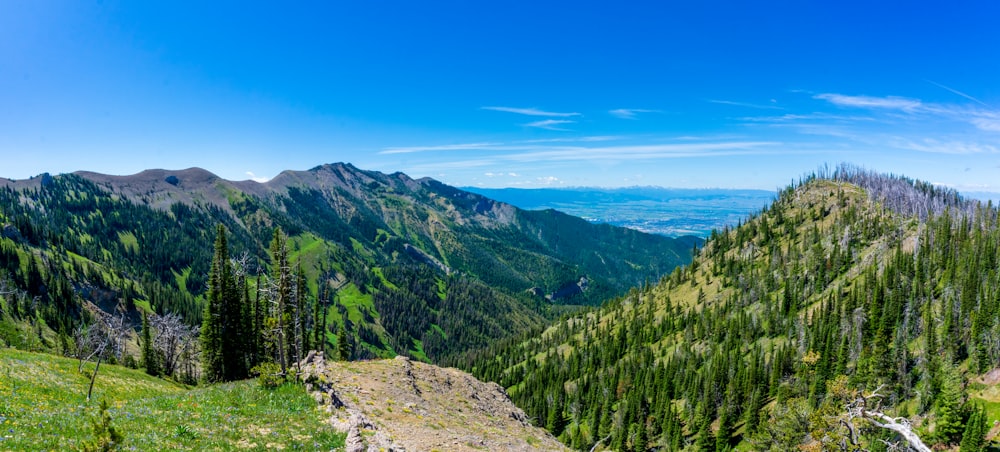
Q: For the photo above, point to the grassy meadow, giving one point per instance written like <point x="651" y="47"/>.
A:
<point x="43" y="406"/>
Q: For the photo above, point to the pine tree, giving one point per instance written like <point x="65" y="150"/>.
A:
<point x="223" y="341"/>
<point x="722" y="436"/>
<point x="343" y="342"/>
<point x="974" y="437"/>
<point x="234" y="329"/>
<point x="556" y="421"/>
<point x="319" y="320"/>
<point x="947" y="407"/>
<point x="149" y="359"/>
<point x="212" y="328"/>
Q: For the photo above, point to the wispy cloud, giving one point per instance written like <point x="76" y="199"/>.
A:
<point x="507" y="154"/>
<point x="630" y="113"/>
<point x="550" y="124"/>
<point x="869" y="102"/>
<point x="945" y="147"/>
<point x="957" y="92"/>
<point x="913" y="110"/>
<point x="587" y="139"/>
<point x="746" y="104"/>
<point x="256" y="178"/>
<point x="646" y="152"/>
<point x="445" y="147"/>
<point x="989" y="123"/>
<point x="807" y="117"/>
<point x="532" y="112"/>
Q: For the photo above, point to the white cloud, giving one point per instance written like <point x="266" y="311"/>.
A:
<point x="630" y="113"/>
<point x="945" y="147"/>
<point x="254" y="177"/>
<point x="446" y="147"/>
<point x="807" y="117"/>
<point x="987" y="123"/>
<point x="550" y="124"/>
<point x="747" y="104"/>
<point x="499" y="155"/>
<point x="889" y="102"/>
<point x="645" y="152"/>
<point x="532" y="112"/>
<point x="548" y="180"/>
<point x="492" y="174"/>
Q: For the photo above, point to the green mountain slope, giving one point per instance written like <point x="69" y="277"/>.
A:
<point x="847" y="285"/>
<point x="402" y="265"/>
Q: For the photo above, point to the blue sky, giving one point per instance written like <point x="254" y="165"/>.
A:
<point x="679" y="94"/>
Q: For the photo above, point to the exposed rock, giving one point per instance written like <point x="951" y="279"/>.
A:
<point x="11" y="232"/>
<point x="421" y="256"/>
<point x="399" y="404"/>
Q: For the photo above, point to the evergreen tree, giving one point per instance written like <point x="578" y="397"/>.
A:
<point x="344" y="342"/>
<point x="223" y="354"/>
<point x="220" y="276"/>
<point x="722" y="436"/>
<point x="974" y="437"/>
<point x="556" y="421"/>
<point x="948" y="405"/>
<point x="149" y="358"/>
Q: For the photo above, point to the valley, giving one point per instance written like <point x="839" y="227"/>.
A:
<point x="848" y="288"/>
<point x="851" y="287"/>
<point x="666" y="211"/>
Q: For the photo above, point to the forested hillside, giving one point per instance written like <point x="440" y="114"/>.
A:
<point x="856" y="307"/>
<point x="387" y="264"/>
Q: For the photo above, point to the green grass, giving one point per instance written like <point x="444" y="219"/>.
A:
<point x="143" y="306"/>
<point x="435" y="327"/>
<point x="309" y="251"/>
<point x="381" y="276"/>
<point x="129" y="241"/>
<point x="43" y="407"/>
<point x="442" y="289"/>
<point x="352" y="299"/>
<point x="418" y="351"/>
<point x="989" y="397"/>
<point x="182" y="279"/>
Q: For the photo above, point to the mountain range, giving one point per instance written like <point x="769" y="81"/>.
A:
<point x="858" y="311"/>
<point x="402" y="265"/>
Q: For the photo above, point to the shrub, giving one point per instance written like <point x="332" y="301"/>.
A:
<point x="269" y="375"/>
<point x="106" y="437"/>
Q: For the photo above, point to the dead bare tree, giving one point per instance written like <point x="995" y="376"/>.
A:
<point x="101" y="339"/>
<point x="869" y="408"/>
<point x="275" y="329"/>
<point x="172" y="337"/>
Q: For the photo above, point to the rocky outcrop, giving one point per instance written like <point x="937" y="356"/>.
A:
<point x="11" y="232"/>
<point x="399" y="404"/>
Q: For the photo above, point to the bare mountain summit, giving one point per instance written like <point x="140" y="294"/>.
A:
<point x="399" y="404"/>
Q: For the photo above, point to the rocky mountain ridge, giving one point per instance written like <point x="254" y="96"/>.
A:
<point x="399" y="404"/>
<point x="397" y="265"/>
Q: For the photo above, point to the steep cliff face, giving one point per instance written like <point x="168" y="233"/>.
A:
<point x="398" y="404"/>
